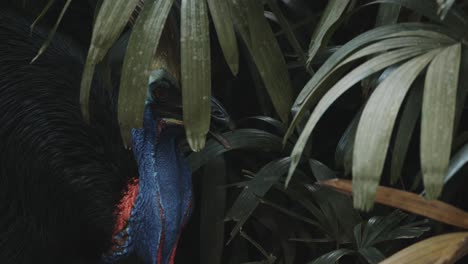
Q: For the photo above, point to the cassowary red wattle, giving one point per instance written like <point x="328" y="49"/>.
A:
<point x="70" y="192"/>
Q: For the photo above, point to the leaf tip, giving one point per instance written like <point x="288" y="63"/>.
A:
<point x="433" y="188"/>
<point x="196" y="142"/>
<point x="234" y="67"/>
<point x="364" y="195"/>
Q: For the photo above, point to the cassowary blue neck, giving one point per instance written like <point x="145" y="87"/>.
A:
<point x="164" y="197"/>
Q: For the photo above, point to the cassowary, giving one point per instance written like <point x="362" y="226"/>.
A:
<point x="69" y="191"/>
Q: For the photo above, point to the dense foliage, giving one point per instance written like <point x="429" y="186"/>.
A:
<point x="368" y="91"/>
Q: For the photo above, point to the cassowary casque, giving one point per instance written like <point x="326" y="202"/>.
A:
<point x="70" y="192"/>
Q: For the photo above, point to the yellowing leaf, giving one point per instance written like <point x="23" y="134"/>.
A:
<point x="409" y="202"/>
<point x="442" y="249"/>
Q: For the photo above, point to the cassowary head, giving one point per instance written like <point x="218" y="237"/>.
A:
<point x="157" y="205"/>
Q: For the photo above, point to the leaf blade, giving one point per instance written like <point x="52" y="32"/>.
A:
<point x="250" y="196"/>
<point x="375" y="128"/>
<point x="195" y="71"/>
<point x="366" y="69"/>
<point x="454" y="18"/>
<point x="266" y="53"/>
<point x="110" y="22"/>
<point x="52" y="31"/>
<point x="402" y="29"/>
<point x="341" y="59"/>
<point x="141" y="48"/>
<point x="438" y="116"/>
<point x="332" y="13"/>
<point x="288" y="31"/>
<point x="387" y="14"/>
<point x="221" y="14"/>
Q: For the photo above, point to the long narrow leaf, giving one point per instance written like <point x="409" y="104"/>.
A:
<point x="444" y="7"/>
<point x="266" y="53"/>
<point x="374" y="65"/>
<point x="376" y="126"/>
<point x="42" y="14"/>
<point x="316" y="87"/>
<point x="438" y="115"/>
<point x="388" y="14"/>
<point x="457" y="162"/>
<point x="288" y="31"/>
<point x="196" y="71"/>
<point x="52" y="31"/>
<point x="248" y="200"/>
<point x="111" y="20"/>
<point x="403" y="29"/>
<point x="454" y="19"/>
<point x="221" y="14"/>
<point x="332" y="13"/>
<point x="140" y="51"/>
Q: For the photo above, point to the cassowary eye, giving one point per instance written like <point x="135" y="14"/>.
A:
<point x="161" y="92"/>
<point x="218" y="113"/>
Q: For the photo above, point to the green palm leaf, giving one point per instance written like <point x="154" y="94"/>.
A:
<point x="368" y="68"/>
<point x="138" y="58"/>
<point x="438" y="116"/>
<point x="195" y="71"/>
<point x="339" y="61"/>
<point x="376" y="126"/>
<point x="111" y="20"/>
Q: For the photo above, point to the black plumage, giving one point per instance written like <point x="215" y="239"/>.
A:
<point x="59" y="177"/>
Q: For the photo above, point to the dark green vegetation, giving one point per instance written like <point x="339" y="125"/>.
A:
<point x="372" y="91"/>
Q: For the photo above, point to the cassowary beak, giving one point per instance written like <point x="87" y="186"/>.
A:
<point x="165" y="97"/>
<point x="220" y="118"/>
